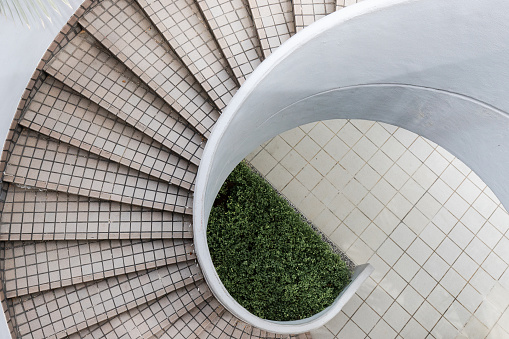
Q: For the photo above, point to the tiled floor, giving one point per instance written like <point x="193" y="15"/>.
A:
<point x="274" y="21"/>
<point x="435" y="233"/>
<point x="308" y="11"/>
<point x="234" y="29"/>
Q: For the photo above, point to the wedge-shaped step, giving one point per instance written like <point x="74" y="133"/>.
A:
<point x="234" y="29"/>
<point x="274" y="21"/>
<point x="33" y="214"/>
<point x="63" y="311"/>
<point x="306" y="335"/>
<point x="139" y="46"/>
<point x="146" y="319"/>
<point x="61" y="113"/>
<point x="308" y="11"/>
<point x="266" y="335"/>
<point x="39" y="266"/>
<point x="344" y="3"/>
<point x="41" y="162"/>
<point x="227" y="326"/>
<point x="192" y="324"/>
<point x="87" y="67"/>
<point x="183" y="28"/>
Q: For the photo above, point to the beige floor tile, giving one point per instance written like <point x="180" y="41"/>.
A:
<point x="475" y="329"/>
<point x="417" y="214"/>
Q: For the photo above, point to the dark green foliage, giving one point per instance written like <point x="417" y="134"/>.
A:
<point x="267" y="257"/>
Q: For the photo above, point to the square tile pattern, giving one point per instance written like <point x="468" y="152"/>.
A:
<point x="100" y="76"/>
<point x="36" y="266"/>
<point x="182" y="25"/>
<point x="65" y="115"/>
<point x="308" y="11"/>
<point x="435" y="233"/>
<point x="274" y="21"/>
<point x="233" y="27"/>
<point x="50" y="215"/>
<point x="44" y="163"/>
<point x="97" y="299"/>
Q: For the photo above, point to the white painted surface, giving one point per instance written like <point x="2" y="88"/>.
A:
<point x="437" y="68"/>
<point x="21" y="50"/>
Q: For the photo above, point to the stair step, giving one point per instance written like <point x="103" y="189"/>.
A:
<point x="274" y="21"/>
<point x="148" y="318"/>
<point x="228" y="326"/>
<point x="60" y="312"/>
<point x="85" y="66"/>
<point x="211" y="314"/>
<point x="59" y="112"/>
<point x="41" y="162"/>
<point x="235" y="32"/>
<point x="308" y="11"/>
<point x="344" y="3"/>
<point x="32" y="267"/>
<point x="189" y="302"/>
<point x="223" y="327"/>
<point x="139" y="46"/>
<point x="184" y="28"/>
<point x="191" y="324"/>
<point x="33" y="214"/>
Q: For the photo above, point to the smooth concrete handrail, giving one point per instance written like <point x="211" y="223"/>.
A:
<point x="437" y="68"/>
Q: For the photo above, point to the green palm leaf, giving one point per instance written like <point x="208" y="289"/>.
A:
<point x="29" y="11"/>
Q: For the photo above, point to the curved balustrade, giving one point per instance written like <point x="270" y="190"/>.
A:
<point x="437" y="68"/>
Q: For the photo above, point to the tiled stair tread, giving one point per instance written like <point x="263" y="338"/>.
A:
<point x="183" y="26"/>
<point x="308" y="11"/>
<point x="234" y="30"/>
<point x="344" y="3"/>
<point x="59" y="112"/>
<point x="32" y="267"/>
<point x="143" y="50"/>
<point x="93" y="72"/>
<point x="227" y="326"/>
<point x="274" y="21"/>
<point x="33" y="214"/>
<point x="142" y="321"/>
<point x="217" y="329"/>
<point x="209" y="314"/>
<point x="191" y="300"/>
<point x="48" y="164"/>
<point x="192" y="324"/>
<point x="63" y="311"/>
<point x="306" y="335"/>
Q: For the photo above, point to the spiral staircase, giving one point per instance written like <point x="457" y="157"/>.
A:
<point x="100" y="162"/>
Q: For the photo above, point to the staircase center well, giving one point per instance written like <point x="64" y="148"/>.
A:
<point x="279" y="96"/>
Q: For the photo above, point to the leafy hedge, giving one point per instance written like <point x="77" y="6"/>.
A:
<point x="267" y="257"/>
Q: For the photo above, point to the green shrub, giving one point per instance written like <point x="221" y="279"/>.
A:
<point x="267" y="257"/>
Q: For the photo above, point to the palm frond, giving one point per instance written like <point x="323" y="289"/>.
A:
<point x="29" y="11"/>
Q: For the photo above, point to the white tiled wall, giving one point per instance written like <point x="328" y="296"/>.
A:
<point x="435" y="233"/>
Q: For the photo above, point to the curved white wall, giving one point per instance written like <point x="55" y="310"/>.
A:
<point x="437" y="68"/>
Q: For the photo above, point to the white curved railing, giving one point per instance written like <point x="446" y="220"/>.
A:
<point x="437" y="68"/>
